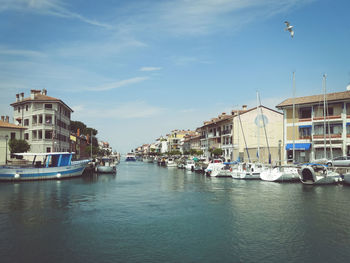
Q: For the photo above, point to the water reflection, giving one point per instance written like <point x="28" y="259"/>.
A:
<point x="156" y="214"/>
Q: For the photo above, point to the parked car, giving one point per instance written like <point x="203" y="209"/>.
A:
<point x="339" y="161"/>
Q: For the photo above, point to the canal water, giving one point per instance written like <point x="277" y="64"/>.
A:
<point x="148" y="213"/>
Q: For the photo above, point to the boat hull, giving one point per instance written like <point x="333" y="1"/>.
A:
<point x="318" y="176"/>
<point x="276" y="175"/>
<point x="106" y="169"/>
<point x="26" y="174"/>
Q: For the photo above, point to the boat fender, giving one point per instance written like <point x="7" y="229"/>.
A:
<point x="230" y="169"/>
<point x="58" y="175"/>
<point x="17" y="176"/>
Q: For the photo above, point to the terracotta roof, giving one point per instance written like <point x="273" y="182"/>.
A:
<point x="40" y="97"/>
<point x="336" y="96"/>
<point x="4" y="124"/>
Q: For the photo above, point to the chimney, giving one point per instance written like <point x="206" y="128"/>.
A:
<point x="244" y="107"/>
<point x="44" y="92"/>
<point x="22" y="96"/>
<point x="17" y="97"/>
<point x="7" y="119"/>
<point x="3" y="118"/>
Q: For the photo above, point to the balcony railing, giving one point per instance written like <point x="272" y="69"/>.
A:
<point x="321" y="118"/>
<point x="327" y="136"/>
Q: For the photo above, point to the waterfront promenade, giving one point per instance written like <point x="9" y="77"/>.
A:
<point x="148" y="213"/>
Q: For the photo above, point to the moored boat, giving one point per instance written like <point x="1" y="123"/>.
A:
<point x="280" y="174"/>
<point x="316" y="174"/>
<point x="247" y="171"/>
<point x="130" y="157"/>
<point x="106" y="165"/>
<point x="56" y="165"/>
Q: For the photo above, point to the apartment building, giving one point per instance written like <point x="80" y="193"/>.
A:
<point x="320" y="127"/>
<point x="245" y="135"/>
<point x="175" y="139"/>
<point x="257" y="135"/>
<point x="47" y="120"/>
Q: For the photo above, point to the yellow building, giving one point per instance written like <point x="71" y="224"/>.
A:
<point x="317" y="133"/>
<point x="8" y="131"/>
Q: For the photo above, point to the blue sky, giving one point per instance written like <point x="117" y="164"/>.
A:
<point x="136" y="70"/>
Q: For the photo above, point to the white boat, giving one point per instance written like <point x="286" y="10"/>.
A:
<point x="106" y="165"/>
<point x="214" y="166"/>
<point x="247" y="171"/>
<point x="316" y="174"/>
<point x="280" y="174"/>
<point x="190" y="165"/>
<point x="56" y="165"/>
<point x="130" y="157"/>
<point x="171" y="163"/>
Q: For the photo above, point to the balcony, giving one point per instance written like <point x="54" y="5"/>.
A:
<point x="224" y="132"/>
<point x="322" y="118"/>
<point x="327" y="137"/>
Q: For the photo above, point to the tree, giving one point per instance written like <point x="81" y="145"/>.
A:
<point x="95" y="150"/>
<point x="217" y="152"/>
<point x="18" y="146"/>
<point x="199" y="152"/>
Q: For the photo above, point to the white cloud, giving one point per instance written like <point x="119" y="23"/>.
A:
<point x="119" y="84"/>
<point x="128" y="110"/>
<point x="199" y="17"/>
<point x="150" y="68"/>
<point x="20" y="52"/>
<point x="47" y="7"/>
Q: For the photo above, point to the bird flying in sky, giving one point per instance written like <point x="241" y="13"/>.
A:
<point x="289" y="28"/>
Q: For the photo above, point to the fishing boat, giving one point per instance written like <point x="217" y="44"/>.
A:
<point x="280" y="174"/>
<point x="130" y="157"/>
<point x="106" y="165"/>
<point x="318" y="174"/>
<point x="56" y="165"/>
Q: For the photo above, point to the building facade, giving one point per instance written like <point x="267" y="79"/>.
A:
<point x="47" y="120"/>
<point x="319" y="127"/>
<point x="8" y="131"/>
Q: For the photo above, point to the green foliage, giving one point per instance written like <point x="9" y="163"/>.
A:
<point x="175" y="152"/>
<point x="18" y="146"/>
<point x="75" y="125"/>
<point x="95" y="150"/>
<point x="217" y="152"/>
<point x="199" y="152"/>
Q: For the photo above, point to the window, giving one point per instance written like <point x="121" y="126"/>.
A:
<point x="13" y="135"/>
<point x="48" y="149"/>
<point x="26" y="122"/>
<point x="27" y="107"/>
<point x="330" y="112"/>
<point x="26" y="136"/>
<point x="305" y="132"/>
<point x="48" y="134"/>
<point x="19" y="109"/>
<point x="305" y="113"/>
<point x="40" y="134"/>
<point x="34" y="135"/>
<point x="48" y="106"/>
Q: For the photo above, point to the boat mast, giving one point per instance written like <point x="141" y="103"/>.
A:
<point x="324" y="116"/>
<point x="264" y="125"/>
<point x="245" y="142"/>
<point x="258" y="124"/>
<point x="293" y="160"/>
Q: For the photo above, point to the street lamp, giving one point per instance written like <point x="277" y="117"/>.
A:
<point x="6" y="138"/>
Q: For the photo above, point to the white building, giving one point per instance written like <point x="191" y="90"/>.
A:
<point x="47" y="120"/>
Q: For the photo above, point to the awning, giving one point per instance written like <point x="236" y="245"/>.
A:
<point x="298" y="146"/>
<point x="305" y="126"/>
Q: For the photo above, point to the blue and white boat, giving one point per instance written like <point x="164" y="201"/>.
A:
<point x="57" y="165"/>
<point x="130" y="157"/>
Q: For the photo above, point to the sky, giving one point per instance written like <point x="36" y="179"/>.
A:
<point x="135" y="70"/>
